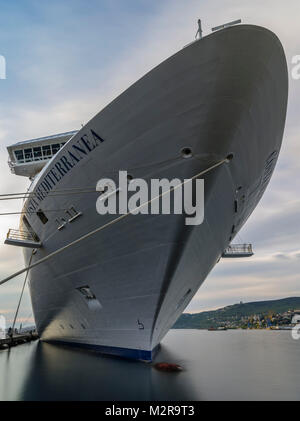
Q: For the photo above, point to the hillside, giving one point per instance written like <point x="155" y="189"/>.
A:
<point x="206" y="319"/>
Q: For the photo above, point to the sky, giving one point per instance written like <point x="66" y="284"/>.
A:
<point x="67" y="59"/>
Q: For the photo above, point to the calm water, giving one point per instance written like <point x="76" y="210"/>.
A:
<point x="230" y="365"/>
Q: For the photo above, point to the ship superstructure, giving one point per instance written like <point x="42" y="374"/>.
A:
<point x="27" y="158"/>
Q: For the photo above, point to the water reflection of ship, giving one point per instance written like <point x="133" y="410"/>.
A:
<point x="64" y="373"/>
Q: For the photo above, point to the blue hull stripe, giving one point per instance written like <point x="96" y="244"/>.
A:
<point x="135" y="354"/>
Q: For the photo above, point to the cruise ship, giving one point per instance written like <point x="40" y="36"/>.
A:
<point x="217" y="108"/>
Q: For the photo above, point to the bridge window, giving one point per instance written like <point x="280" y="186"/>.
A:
<point x="46" y="151"/>
<point x="37" y="153"/>
<point x="55" y="148"/>
<point x="28" y="155"/>
<point x="19" y="155"/>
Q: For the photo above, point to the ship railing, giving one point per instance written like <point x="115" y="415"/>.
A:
<point x="22" y="238"/>
<point x="11" y="164"/>
<point x="238" y="250"/>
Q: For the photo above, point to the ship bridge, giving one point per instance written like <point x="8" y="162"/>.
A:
<point x="27" y="158"/>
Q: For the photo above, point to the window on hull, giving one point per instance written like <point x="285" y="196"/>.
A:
<point x="42" y="216"/>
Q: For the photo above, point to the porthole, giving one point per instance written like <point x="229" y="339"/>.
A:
<point x="186" y="152"/>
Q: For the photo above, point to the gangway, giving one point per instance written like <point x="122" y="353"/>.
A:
<point x="22" y="239"/>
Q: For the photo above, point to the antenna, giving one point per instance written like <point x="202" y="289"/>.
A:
<point x="225" y="25"/>
<point x="200" y="32"/>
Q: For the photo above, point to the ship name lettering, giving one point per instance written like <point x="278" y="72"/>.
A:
<point x="75" y="153"/>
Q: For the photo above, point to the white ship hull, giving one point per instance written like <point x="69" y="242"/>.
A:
<point x="225" y="94"/>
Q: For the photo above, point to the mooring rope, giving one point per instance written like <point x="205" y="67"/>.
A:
<point x="21" y="296"/>
<point x="81" y="190"/>
<point x="108" y="224"/>
<point x="31" y="212"/>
